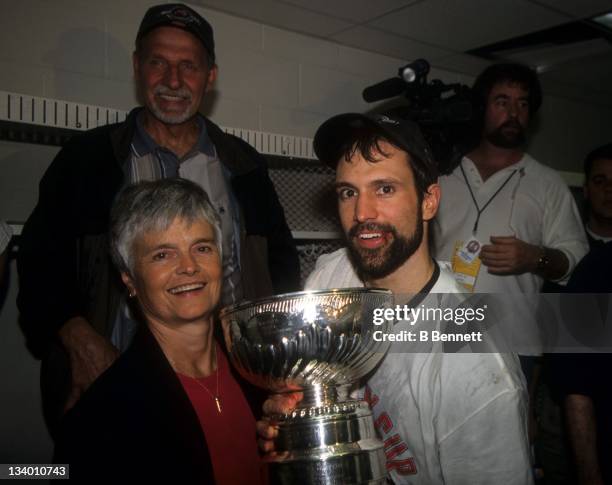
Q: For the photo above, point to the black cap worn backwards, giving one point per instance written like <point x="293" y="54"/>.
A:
<point x="331" y="137"/>
<point x="183" y="17"/>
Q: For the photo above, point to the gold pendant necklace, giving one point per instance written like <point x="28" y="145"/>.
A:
<point x="216" y="395"/>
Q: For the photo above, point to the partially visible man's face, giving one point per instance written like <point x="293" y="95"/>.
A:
<point x="380" y="211"/>
<point x="506" y="115"/>
<point x="598" y="189"/>
<point x="172" y="73"/>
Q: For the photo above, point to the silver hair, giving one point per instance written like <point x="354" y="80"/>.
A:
<point x="147" y="206"/>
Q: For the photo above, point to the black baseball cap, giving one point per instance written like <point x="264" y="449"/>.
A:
<point x="331" y="138"/>
<point x="183" y="17"/>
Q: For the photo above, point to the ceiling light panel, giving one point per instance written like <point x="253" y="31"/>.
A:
<point x="468" y="24"/>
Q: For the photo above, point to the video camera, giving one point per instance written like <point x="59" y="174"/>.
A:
<point x="443" y="111"/>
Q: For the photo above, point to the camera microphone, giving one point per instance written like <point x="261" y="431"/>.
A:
<point x="384" y="89"/>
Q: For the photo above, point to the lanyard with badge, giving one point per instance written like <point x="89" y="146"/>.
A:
<point x="465" y="261"/>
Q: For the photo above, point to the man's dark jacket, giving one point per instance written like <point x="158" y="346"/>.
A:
<point x="64" y="264"/>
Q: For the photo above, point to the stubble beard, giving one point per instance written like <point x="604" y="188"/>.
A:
<point x="373" y="264"/>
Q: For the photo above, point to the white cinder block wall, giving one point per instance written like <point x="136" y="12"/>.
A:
<point x="270" y="80"/>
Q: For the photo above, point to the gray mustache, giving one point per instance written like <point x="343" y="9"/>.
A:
<point x="181" y="92"/>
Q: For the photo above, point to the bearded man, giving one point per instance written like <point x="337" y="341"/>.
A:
<point x="443" y="417"/>
<point x="520" y="212"/>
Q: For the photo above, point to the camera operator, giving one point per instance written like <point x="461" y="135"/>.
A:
<point x="519" y="211"/>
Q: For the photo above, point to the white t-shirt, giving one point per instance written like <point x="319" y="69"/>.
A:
<point x="536" y="206"/>
<point x="444" y="418"/>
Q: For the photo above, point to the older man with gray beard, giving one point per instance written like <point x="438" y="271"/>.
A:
<point x="73" y="313"/>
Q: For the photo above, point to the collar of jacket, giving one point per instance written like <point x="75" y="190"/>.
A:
<point x="231" y="150"/>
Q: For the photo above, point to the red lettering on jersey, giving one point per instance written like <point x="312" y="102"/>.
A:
<point x="391" y="442"/>
<point x="402" y="467"/>
<point x="394" y="446"/>
<point x="384" y="423"/>
<point x="396" y="451"/>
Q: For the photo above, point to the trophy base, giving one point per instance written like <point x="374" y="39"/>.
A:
<point x="365" y="467"/>
<point x="327" y="445"/>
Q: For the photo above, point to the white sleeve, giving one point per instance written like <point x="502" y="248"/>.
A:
<point x="490" y="446"/>
<point x="562" y="227"/>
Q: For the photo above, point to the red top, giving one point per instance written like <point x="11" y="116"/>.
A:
<point x="230" y="434"/>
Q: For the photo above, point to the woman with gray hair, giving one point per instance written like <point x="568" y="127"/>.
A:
<point x="169" y="409"/>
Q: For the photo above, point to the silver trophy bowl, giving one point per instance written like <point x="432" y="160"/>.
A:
<point x="318" y="343"/>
